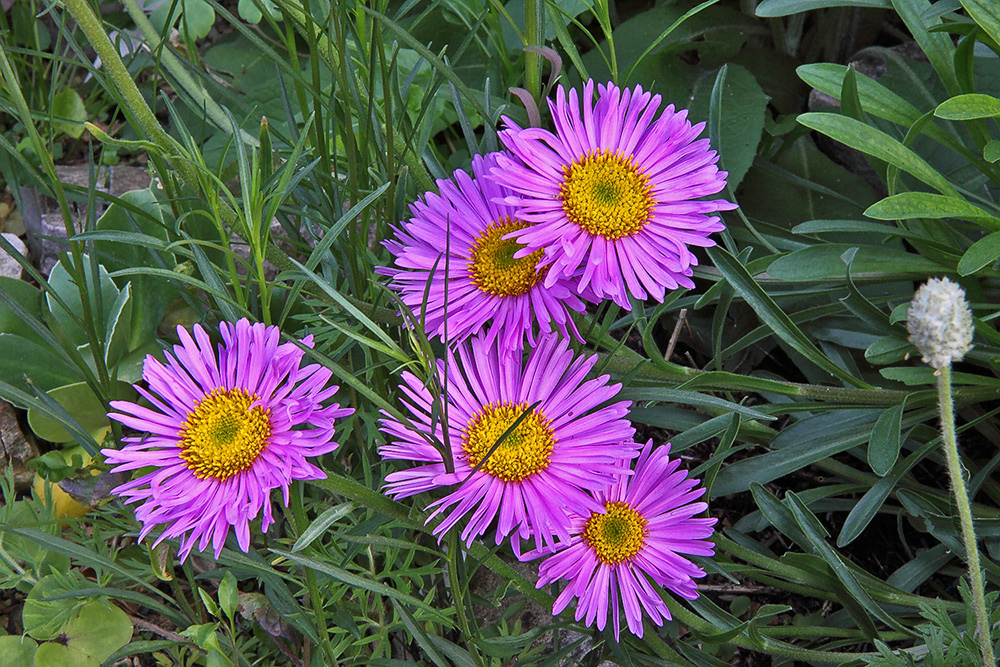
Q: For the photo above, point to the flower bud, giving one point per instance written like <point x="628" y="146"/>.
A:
<point x="940" y="322"/>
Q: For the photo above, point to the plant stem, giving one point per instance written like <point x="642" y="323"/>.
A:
<point x="455" y="584"/>
<point x="532" y="37"/>
<point x="965" y="515"/>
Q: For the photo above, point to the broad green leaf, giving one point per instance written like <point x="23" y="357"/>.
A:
<point x="47" y="619"/>
<point x="986" y="13"/>
<point x="63" y="284"/>
<point x="888" y="350"/>
<point x="44" y="368"/>
<point x="28" y="297"/>
<point x="991" y="152"/>
<point x="771" y="315"/>
<point x="878" y="144"/>
<point x="938" y="48"/>
<point x="968" y="107"/>
<point x="883" y="447"/>
<point x="228" y="595"/>
<point x="735" y="105"/>
<point x="911" y="205"/>
<point x="982" y="253"/>
<point x="118" y="327"/>
<point x="69" y="113"/>
<point x="81" y="403"/>
<point x="823" y="262"/>
<point x="775" y="8"/>
<point x="250" y="13"/>
<point x="796" y="447"/>
<point x="194" y="18"/>
<point x="127" y="239"/>
<point x="17" y="650"/>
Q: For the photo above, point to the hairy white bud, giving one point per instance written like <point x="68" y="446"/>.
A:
<point x="940" y="322"/>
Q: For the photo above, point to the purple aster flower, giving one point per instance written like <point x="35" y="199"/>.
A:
<point x="487" y="288"/>
<point x="646" y="521"/>
<point x="570" y="441"/>
<point x="222" y="432"/>
<point x="613" y="191"/>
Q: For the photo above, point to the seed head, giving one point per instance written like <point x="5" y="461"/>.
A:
<point x="940" y="322"/>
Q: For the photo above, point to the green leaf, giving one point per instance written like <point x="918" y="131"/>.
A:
<point x="982" y="253"/>
<point x="81" y="403"/>
<point x="911" y="205"/>
<point x="44" y="368"/>
<point x="968" y="107"/>
<point x="17" y="651"/>
<point x="69" y="113"/>
<point x="250" y="13"/>
<point x="98" y="630"/>
<point x="823" y="262"/>
<point x="320" y="525"/>
<point x="228" y="595"/>
<point x="735" y="108"/>
<point x="775" y="8"/>
<point x="804" y="443"/>
<point x="888" y="350"/>
<point x="132" y="233"/>
<point x="883" y="447"/>
<point x="816" y="536"/>
<point x="118" y="327"/>
<point x="28" y="297"/>
<point x="771" y="315"/>
<point x="363" y="583"/>
<point x="193" y="18"/>
<point x="876" y="143"/>
<point x="63" y="284"/>
<point x="991" y="152"/>
<point x="986" y="14"/>
<point x="47" y="619"/>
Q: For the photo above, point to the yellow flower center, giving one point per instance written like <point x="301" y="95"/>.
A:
<point x="616" y="536"/>
<point x="224" y="435"/>
<point x="523" y="453"/>
<point x="606" y="195"/>
<point x="493" y="267"/>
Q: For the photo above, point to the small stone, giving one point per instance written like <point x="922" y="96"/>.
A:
<point x="15" y="449"/>
<point x="9" y="266"/>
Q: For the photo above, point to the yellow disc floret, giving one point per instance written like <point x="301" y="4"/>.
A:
<point x="493" y="267"/>
<point x="523" y="453"/>
<point x="606" y="195"/>
<point x="224" y="434"/>
<point x="616" y="536"/>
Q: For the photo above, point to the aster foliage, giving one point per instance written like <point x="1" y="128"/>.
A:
<point x="225" y="428"/>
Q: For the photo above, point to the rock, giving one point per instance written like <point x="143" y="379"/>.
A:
<point x="9" y="267"/>
<point x="43" y="220"/>
<point x="15" y="449"/>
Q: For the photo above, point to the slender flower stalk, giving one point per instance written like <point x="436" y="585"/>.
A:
<point x="940" y="324"/>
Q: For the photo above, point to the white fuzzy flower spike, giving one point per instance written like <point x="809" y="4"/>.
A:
<point x="940" y="322"/>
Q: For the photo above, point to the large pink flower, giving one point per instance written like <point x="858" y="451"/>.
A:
<point x="453" y="251"/>
<point x="572" y="440"/>
<point x="645" y="524"/>
<point x="613" y="191"/>
<point x="223" y="431"/>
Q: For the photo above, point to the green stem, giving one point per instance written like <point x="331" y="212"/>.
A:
<point x="965" y="515"/>
<point x="458" y="595"/>
<point x="533" y="20"/>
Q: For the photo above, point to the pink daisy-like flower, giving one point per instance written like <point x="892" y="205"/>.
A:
<point x="613" y="191"/>
<point x="476" y="284"/>
<point x="570" y="441"/>
<point x="645" y="522"/>
<point x="222" y="432"/>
